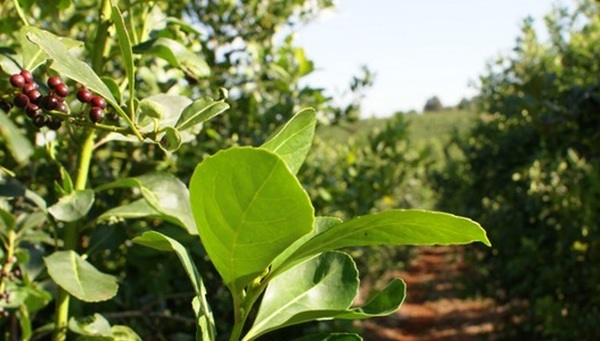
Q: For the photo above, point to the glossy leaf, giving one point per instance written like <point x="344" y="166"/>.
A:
<point x="248" y="208"/>
<point x="67" y="65"/>
<point x="331" y="337"/>
<point x="19" y="146"/>
<point x="73" y="206"/>
<point x="164" y="192"/>
<point x="326" y="282"/>
<point x="79" y="278"/>
<point x="175" y="54"/>
<point x="125" y="46"/>
<point x="136" y="209"/>
<point x="395" y="227"/>
<point x="383" y="303"/>
<point x="199" y="111"/>
<point x="161" y="242"/>
<point x="33" y="56"/>
<point x="294" y="140"/>
<point x="94" y="325"/>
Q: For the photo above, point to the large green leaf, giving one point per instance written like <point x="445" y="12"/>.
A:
<point x="293" y="141"/>
<point x="175" y="54"/>
<point x="80" y="278"/>
<point x="164" y="192"/>
<point x="394" y="227"/>
<point x="73" y="206"/>
<point x="67" y="65"/>
<point x="161" y="242"/>
<point x="199" y="111"/>
<point x="248" y="208"/>
<point x="19" y="146"/>
<point x="326" y="282"/>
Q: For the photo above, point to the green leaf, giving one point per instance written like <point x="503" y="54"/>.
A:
<point x="248" y="208"/>
<point x="137" y="209"/>
<point x="383" y="303"/>
<point x="125" y="46"/>
<point x="170" y="140"/>
<point x="175" y="54"/>
<point x="395" y="227"/>
<point x="113" y="87"/>
<point x="199" y="111"/>
<point x="30" y="296"/>
<point x="94" y="325"/>
<point x="151" y="109"/>
<point x="165" y="193"/>
<point x="161" y="242"/>
<point x="13" y="188"/>
<point x="73" y="206"/>
<point x="124" y="333"/>
<point x="67" y="65"/>
<point x="79" y="278"/>
<point x="331" y="337"/>
<point x="293" y="141"/>
<point x="19" y="146"/>
<point x="326" y="282"/>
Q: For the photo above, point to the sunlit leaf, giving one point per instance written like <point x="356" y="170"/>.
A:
<point x="73" y="206"/>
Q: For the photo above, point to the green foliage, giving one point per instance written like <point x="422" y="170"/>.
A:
<point x="530" y="173"/>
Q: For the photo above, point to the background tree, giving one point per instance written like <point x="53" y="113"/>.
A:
<point x="433" y="104"/>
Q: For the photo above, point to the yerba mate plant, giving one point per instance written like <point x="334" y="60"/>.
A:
<point x="282" y="265"/>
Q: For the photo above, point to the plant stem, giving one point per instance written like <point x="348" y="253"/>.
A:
<point x="20" y="12"/>
<point x="71" y="235"/>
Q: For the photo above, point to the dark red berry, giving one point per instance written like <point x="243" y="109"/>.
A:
<point x="21" y="101"/>
<point x="33" y="110"/>
<point x="39" y="121"/>
<point x="84" y="95"/>
<point x="98" y="102"/>
<point x="61" y="90"/>
<point x="29" y="86"/>
<point x="96" y="114"/>
<point x="4" y="105"/>
<point x="27" y="76"/>
<point x="34" y="95"/>
<point x="17" y="80"/>
<point x="54" y="124"/>
<point x="53" y="81"/>
<point x="49" y="102"/>
<point x="62" y="107"/>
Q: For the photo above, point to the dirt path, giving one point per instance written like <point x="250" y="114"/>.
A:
<point x="433" y="309"/>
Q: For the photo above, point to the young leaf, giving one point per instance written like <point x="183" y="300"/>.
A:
<point x="94" y="325"/>
<point x="125" y="46"/>
<point x="293" y="141"/>
<point x="170" y="140"/>
<point x="248" y="208"/>
<point x="161" y="242"/>
<point x="383" y="303"/>
<point x="395" y="227"/>
<point x="175" y="54"/>
<point x="73" y="206"/>
<point x="165" y="193"/>
<point x="199" y="111"/>
<point x="327" y="282"/>
<point x="80" y="278"/>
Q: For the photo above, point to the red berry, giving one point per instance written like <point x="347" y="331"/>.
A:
<point x="84" y="95"/>
<point x="61" y="90"/>
<point x="29" y="86"/>
<point x="33" y="110"/>
<point x="4" y="105"/>
<point x="62" y="107"/>
<point x="27" y="76"/>
<point x="34" y="95"/>
<point x="98" y="102"/>
<point x="17" y="80"/>
<point x="49" y="102"/>
<point x="54" y="124"/>
<point x="96" y="114"/>
<point x="39" y="121"/>
<point x="53" y="81"/>
<point x="21" y="101"/>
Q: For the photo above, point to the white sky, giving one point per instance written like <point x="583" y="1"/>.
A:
<point x="416" y="48"/>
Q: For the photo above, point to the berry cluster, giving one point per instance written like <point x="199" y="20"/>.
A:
<point x="38" y="106"/>
<point x="7" y="272"/>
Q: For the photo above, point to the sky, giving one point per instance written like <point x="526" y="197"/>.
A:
<point x="416" y="48"/>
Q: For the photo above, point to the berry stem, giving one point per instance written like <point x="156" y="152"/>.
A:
<point x="20" y="12"/>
